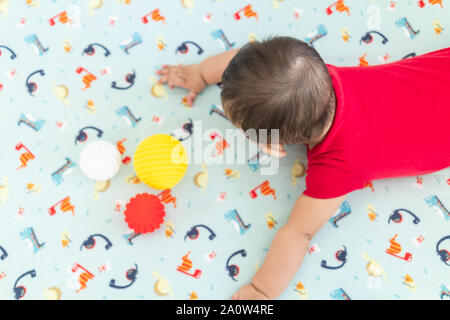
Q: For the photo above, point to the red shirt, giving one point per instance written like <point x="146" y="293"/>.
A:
<point x="391" y="120"/>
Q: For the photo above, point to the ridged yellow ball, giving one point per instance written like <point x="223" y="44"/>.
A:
<point x="160" y="161"/>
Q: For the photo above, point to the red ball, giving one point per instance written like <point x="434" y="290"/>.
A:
<point x="144" y="213"/>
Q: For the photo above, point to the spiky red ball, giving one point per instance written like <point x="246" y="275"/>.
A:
<point x="144" y="213"/>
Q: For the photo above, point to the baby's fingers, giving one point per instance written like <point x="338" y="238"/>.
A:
<point x="190" y="98"/>
<point x="175" y="80"/>
<point x="163" y="79"/>
<point x="164" y="69"/>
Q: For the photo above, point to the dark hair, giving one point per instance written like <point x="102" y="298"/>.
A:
<point x="279" y="83"/>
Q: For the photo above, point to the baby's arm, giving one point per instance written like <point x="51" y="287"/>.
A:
<point x="288" y="247"/>
<point x="212" y="68"/>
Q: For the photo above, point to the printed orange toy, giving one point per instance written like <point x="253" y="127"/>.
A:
<point x="144" y="213"/>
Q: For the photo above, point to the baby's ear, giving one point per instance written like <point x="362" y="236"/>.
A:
<point x="276" y="150"/>
<point x="280" y="153"/>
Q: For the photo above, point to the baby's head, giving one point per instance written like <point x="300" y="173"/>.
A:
<point x="279" y="83"/>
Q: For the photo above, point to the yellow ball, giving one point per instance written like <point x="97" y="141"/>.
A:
<point x="160" y="161"/>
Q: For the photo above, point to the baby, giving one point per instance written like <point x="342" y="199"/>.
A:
<point x="358" y="123"/>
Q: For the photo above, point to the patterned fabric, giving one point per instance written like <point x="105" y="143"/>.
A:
<point x="72" y="72"/>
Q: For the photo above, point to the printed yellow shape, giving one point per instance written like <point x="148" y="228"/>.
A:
<point x="252" y="37"/>
<point x="232" y="174"/>
<point x="193" y="296"/>
<point x="271" y="221"/>
<point x="162" y="286"/>
<point x="32" y="187"/>
<point x="297" y="171"/>
<point x="94" y="5"/>
<point x="409" y="282"/>
<point x="157" y="90"/>
<point x="188" y="4"/>
<point x="4" y="191"/>
<point x="201" y="178"/>
<point x="67" y="45"/>
<point x="161" y="44"/>
<point x="371" y="213"/>
<point x="53" y="293"/>
<point x="90" y="105"/>
<point x="32" y="3"/>
<point x="345" y="34"/>
<point x="438" y="28"/>
<point x="170" y="229"/>
<point x="373" y="268"/>
<point x="301" y="290"/>
<point x="132" y="179"/>
<point x="61" y="92"/>
<point x="4" y="6"/>
<point x="65" y="239"/>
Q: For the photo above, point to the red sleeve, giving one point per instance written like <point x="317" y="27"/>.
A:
<point x="325" y="182"/>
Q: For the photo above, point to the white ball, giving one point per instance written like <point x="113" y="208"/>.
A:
<point x="100" y="160"/>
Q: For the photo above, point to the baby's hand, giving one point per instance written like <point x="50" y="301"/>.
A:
<point x="188" y="77"/>
<point x="249" y="292"/>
